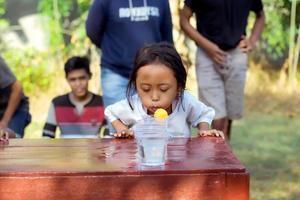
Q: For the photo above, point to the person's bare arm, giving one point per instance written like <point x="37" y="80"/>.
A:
<point x="213" y="51"/>
<point x="13" y="102"/>
<point x="247" y="44"/>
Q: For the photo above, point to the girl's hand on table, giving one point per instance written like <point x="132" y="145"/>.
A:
<point x="211" y="132"/>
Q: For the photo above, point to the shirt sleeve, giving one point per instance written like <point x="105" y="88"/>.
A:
<point x="6" y="75"/>
<point x="123" y="112"/>
<point x="257" y="6"/>
<point x="198" y="111"/>
<point x="95" y="23"/>
<point x="166" y="24"/>
<point x="51" y="124"/>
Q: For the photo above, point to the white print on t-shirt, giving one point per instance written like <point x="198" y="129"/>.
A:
<point x="138" y="13"/>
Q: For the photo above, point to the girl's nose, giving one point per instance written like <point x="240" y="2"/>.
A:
<point x="155" y="96"/>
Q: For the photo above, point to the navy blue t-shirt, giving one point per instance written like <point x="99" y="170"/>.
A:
<point x="121" y="27"/>
<point x="223" y="21"/>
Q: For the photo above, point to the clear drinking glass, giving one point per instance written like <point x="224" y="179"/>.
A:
<point x="152" y="138"/>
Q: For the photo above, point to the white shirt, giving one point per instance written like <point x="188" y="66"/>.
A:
<point x="187" y="112"/>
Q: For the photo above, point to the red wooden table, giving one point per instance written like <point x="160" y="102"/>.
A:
<point x="198" y="168"/>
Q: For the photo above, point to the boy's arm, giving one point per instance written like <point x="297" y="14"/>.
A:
<point x="13" y="103"/>
<point x="213" y="51"/>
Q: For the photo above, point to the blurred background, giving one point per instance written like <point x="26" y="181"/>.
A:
<point x="37" y="36"/>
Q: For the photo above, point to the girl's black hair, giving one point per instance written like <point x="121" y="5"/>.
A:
<point x="77" y="62"/>
<point x="163" y="53"/>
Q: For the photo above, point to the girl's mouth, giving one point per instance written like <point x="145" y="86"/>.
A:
<point x="152" y="110"/>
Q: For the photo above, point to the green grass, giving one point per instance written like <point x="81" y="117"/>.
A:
<point x="269" y="145"/>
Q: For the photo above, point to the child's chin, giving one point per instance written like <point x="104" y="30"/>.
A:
<point x="80" y="94"/>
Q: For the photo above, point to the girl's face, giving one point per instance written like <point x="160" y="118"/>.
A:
<point x="157" y="87"/>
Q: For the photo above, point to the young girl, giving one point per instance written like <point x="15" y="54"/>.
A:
<point x="157" y="81"/>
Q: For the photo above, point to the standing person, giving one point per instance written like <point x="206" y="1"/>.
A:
<point x="14" y="106"/>
<point x="119" y="28"/>
<point x="158" y="81"/>
<point x="221" y="63"/>
<point x="79" y="113"/>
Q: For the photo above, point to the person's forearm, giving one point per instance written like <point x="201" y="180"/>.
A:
<point x="119" y="126"/>
<point x="195" y="35"/>
<point x="13" y="102"/>
<point x="258" y="27"/>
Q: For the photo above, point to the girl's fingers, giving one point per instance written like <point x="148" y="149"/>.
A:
<point x="203" y="133"/>
<point x="117" y="135"/>
<point x="124" y="134"/>
<point x="212" y="132"/>
<point x="222" y="134"/>
<point x="218" y="133"/>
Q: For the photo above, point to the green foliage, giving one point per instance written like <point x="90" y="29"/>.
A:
<point x="275" y="37"/>
<point x="3" y="23"/>
<point x="31" y="70"/>
<point x="66" y="17"/>
<point x="2" y="7"/>
<point x="83" y="5"/>
<point x="49" y="7"/>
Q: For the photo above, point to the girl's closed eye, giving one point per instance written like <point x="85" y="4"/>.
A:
<point x="164" y="89"/>
<point x="145" y="88"/>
